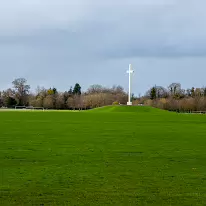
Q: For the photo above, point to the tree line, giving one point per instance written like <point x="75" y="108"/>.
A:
<point x="51" y="98"/>
<point x="175" y="98"/>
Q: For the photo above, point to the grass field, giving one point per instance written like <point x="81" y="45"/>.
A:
<point x="108" y="156"/>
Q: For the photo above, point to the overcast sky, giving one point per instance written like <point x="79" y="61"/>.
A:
<point x="61" y="42"/>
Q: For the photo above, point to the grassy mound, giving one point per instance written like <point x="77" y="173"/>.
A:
<point x="133" y="109"/>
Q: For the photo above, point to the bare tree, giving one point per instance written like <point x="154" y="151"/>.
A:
<point x="60" y="103"/>
<point x="70" y="103"/>
<point x="174" y="89"/>
<point x="22" y="90"/>
<point x="1" y="100"/>
<point x="198" y="92"/>
<point x="48" y="102"/>
<point x="96" y="88"/>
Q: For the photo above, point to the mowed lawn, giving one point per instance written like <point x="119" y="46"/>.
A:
<point x="109" y="156"/>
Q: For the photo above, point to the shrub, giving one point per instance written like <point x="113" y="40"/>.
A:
<point x="115" y="103"/>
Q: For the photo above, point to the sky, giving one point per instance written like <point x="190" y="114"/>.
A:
<point x="61" y="42"/>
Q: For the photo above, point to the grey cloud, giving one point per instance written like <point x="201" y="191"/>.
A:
<point x="85" y="40"/>
<point x="140" y="28"/>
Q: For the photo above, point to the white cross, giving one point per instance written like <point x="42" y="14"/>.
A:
<point x="130" y="71"/>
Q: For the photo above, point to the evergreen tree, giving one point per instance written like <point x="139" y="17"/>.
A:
<point x="77" y="89"/>
<point x="204" y="89"/>
<point x="193" y="91"/>
<point x="153" y="93"/>
<point x="10" y="101"/>
<point x="70" y="92"/>
<point x="54" y="90"/>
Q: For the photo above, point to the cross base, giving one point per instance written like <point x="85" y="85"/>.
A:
<point x="129" y="103"/>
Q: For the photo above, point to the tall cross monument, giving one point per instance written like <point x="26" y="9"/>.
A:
<point x="130" y="71"/>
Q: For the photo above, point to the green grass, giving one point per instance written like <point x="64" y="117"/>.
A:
<point x="117" y="109"/>
<point x="107" y="156"/>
